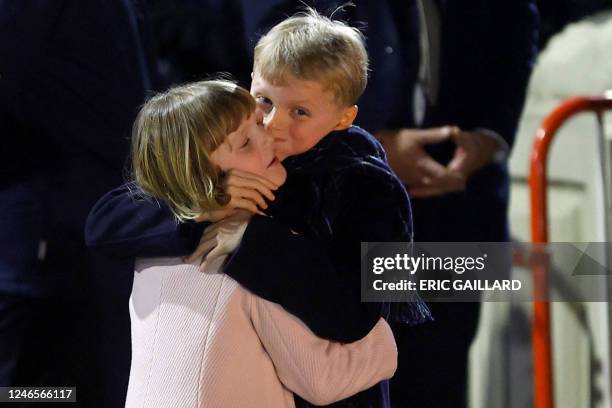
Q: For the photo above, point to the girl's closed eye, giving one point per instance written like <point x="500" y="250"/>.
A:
<point x="246" y="143"/>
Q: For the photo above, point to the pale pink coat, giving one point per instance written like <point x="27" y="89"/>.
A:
<point x="201" y="340"/>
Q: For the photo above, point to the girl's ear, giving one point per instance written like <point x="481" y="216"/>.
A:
<point x="347" y="118"/>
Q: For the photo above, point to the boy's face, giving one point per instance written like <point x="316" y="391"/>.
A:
<point x="299" y="113"/>
<point x="251" y="149"/>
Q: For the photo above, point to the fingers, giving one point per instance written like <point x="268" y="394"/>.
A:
<point x="251" y="184"/>
<point x="435" y="179"/>
<point x="448" y="185"/>
<point x="454" y="182"/>
<point x="216" y="215"/>
<point x="212" y="263"/>
<point x="424" y="176"/>
<point x="424" y="192"/>
<point x="432" y="178"/>
<point x="210" y="232"/>
<point x="248" y="194"/>
<point x="473" y="152"/>
<point x="457" y="163"/>
<point x="215" y="252"/>
<point x="203" y="217"/>
<point x="235" y="204"/>
<point x="239" y="178"/>
<point x="410" y="161"/>
<point x="248" y="175"/>
<point x="431" y="135"/>
<point x="430" y="168"/>
<point x="255" y="190"/>
<point x="215" y="258"/>
<point x="245" y="204"/>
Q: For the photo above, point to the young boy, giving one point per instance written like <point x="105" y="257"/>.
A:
<point x="308" y="73"/>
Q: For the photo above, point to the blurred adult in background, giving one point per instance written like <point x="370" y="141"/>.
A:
<point x="72" y="75"/>
<point x="446" y="90"/>
<point x="198" y="38"/>
<point x="465" y="95"/>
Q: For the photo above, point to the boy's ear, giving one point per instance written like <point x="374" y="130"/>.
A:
<point x="347" y="118"/>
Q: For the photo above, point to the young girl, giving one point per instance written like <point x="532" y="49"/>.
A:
<point x="200" y="339"/>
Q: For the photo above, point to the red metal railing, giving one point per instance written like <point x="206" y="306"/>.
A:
<point x="542" y="345"/>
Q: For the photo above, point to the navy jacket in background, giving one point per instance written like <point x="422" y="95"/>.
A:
<point x="72" y="75"/>
<point x="488" y="49"/>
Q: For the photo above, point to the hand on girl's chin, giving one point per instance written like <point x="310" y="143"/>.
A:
<point x="282" y="176"/>
<point x="277" y="174"/>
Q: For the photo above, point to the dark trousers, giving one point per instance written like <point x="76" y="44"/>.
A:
<point x="433" y="358"/>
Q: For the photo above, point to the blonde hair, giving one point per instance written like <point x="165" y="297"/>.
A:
<point x="172" y="139"/>
<point x="310" y="46"/>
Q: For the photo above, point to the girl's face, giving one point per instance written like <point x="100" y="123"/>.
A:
<point x="251" y="149"/>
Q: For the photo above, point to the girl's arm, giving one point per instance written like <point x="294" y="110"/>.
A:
<point x="127" y="223"/>
<point x="318" y="370"/>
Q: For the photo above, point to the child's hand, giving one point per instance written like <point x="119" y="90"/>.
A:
<point x="247" y="192"/>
